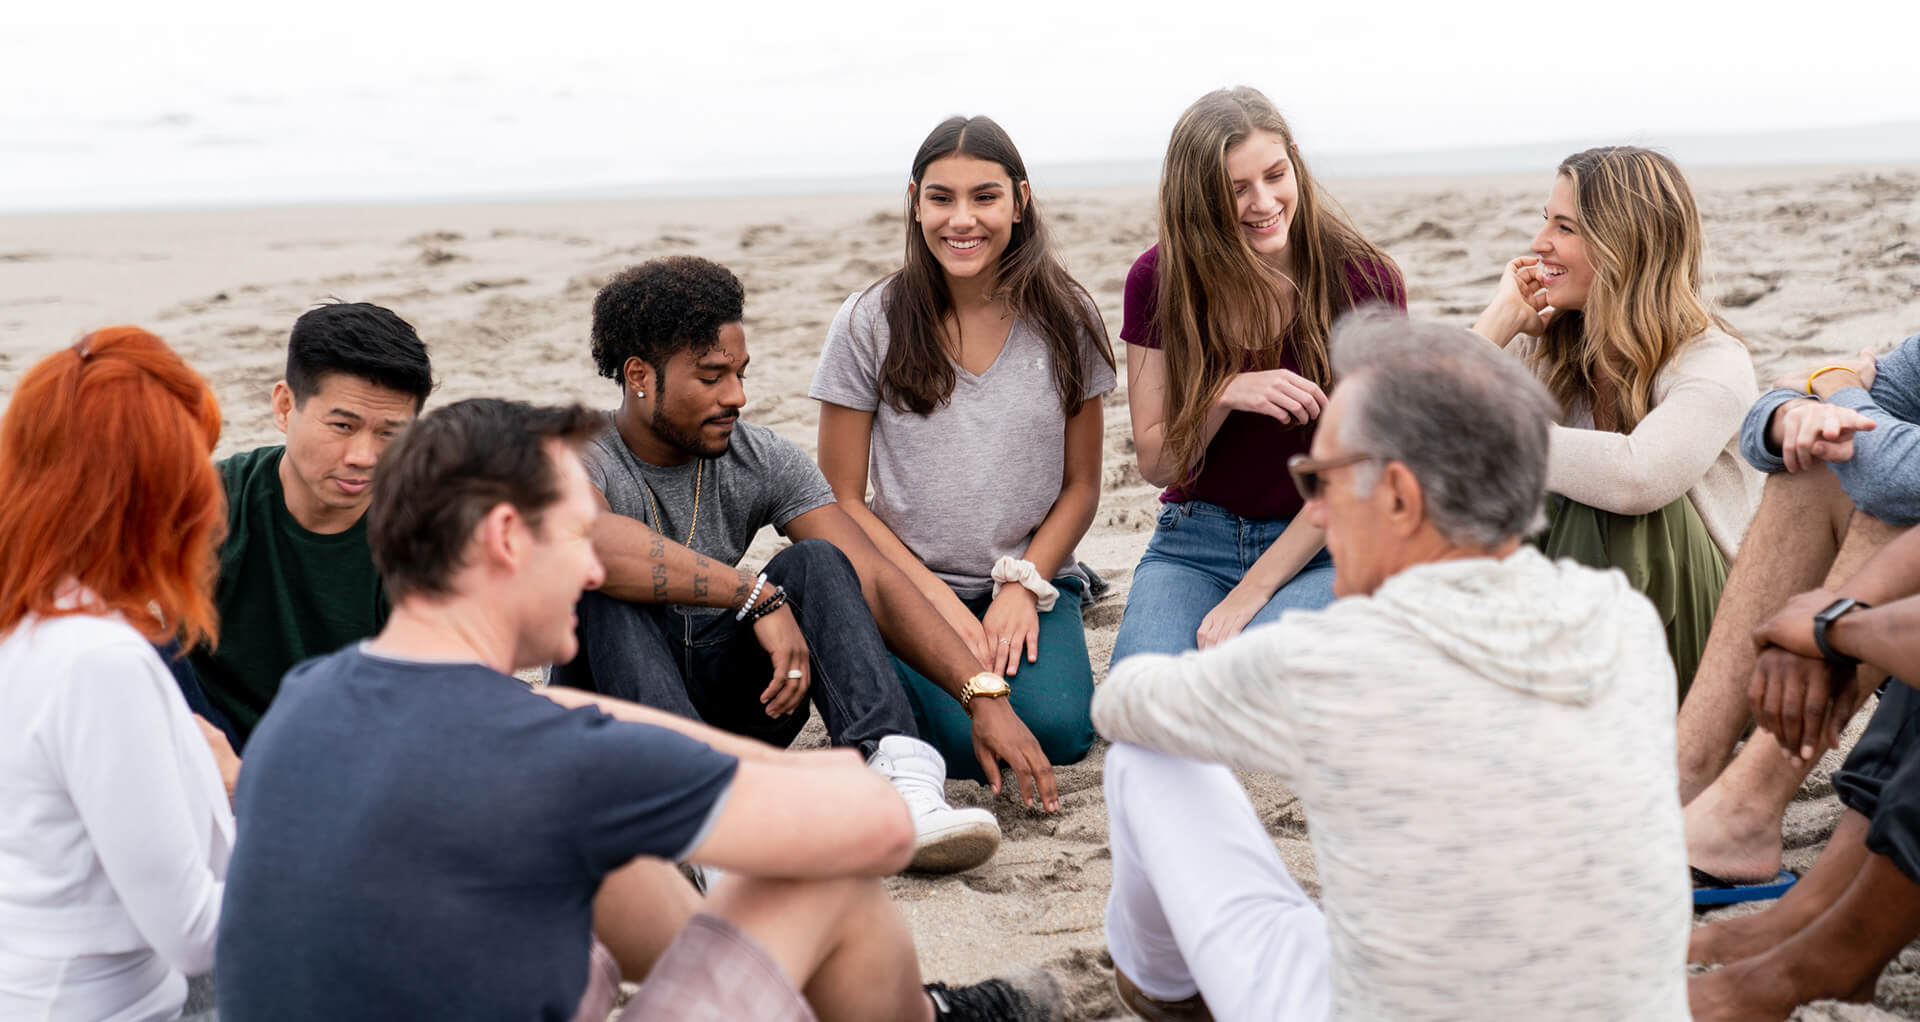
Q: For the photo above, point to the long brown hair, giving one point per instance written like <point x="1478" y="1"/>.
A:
<point x="106" y="461"/>
<point x="1219" y="302"/>
<point x="917" y="374"/>
<point x="1644" y="238"/>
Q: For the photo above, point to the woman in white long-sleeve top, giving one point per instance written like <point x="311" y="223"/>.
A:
<point x="1608" y="311"/>
<point x="114" y="820"/>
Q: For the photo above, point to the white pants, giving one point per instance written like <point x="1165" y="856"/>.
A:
<point x="1201" y="901"/>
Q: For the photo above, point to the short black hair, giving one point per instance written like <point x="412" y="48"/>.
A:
<point x="453" y="466"/>
<point x="660" y="308"/>
<point x="361" y="340"/>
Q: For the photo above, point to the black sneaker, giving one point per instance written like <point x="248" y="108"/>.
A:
<point x="1029" y="997"/>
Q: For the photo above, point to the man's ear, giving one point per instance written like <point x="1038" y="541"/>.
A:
<point x="499" y="540"/>
<point x="638" y="375"/>
<point x="282" y="405"/>
<point x="1407" y="506"/>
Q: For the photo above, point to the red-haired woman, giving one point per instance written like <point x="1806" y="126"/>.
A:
<point x="114" y="842"/>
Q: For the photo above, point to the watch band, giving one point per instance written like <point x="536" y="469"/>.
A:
<point x="1824" y="620"/>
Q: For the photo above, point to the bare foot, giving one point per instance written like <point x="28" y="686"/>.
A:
<point x="1737" y="994"/>
<point x="1730" y="940"/>
<point x="1729" y="840"/>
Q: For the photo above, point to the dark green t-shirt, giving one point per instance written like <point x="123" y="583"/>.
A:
<point x="285" y="594"/>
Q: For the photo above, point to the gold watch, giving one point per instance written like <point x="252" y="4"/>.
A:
<point x="986" y="685"/>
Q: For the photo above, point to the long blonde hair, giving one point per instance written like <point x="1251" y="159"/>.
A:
<point x="1218" y="301"/>
<point x="1644" y="238"/>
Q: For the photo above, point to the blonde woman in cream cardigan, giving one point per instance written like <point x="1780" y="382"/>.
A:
<point x="1645" y="467"/>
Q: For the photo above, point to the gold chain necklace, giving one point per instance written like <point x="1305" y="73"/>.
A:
<point x="699" y="467"/>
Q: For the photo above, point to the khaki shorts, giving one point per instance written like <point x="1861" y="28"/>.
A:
<point x="714" y="972"/>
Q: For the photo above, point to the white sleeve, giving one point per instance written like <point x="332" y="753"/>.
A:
<point x="1668" y="453"/>
<point x="118" y="750"/>
<point x="1231" y="704"/>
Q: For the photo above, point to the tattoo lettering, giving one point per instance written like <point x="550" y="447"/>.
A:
<point x="659" y="583"/>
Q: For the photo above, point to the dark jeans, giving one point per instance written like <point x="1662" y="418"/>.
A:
<point x="702" y="664"/>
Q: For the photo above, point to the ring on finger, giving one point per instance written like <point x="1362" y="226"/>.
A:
<point x="1006" y="642"/>
<point x="794" y="675"/>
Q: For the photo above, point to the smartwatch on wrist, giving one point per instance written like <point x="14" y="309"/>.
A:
<point x="1824" y="620"/>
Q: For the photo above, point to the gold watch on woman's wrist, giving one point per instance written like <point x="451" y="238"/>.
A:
<point x="986" y="685"/>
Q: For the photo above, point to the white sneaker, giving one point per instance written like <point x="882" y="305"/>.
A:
<point x="945" y="839"/>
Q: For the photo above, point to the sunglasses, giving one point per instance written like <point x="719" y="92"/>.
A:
<point x="1309" y="475"/>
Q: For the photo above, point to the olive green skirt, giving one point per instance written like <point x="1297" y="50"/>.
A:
<point x="1667" y="555"/>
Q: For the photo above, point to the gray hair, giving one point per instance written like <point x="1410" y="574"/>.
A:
<point x="1469" y="421"/>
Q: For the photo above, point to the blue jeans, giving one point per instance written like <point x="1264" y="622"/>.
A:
<point x="1198" y="553"/>
<point x="1053" y="696"/>
<point x="704" y="665"/>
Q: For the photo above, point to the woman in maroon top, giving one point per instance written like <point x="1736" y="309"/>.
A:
<point x="1226" y="327"/>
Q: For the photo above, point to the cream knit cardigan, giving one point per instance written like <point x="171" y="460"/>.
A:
<point x="1689" y="443"/>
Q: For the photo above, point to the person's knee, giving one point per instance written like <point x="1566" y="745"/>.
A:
<point x="810" y="559"/>
<point x="1868" y="532"/>
<point x="1122" y="762"/>
<point x="1064" y="737"/>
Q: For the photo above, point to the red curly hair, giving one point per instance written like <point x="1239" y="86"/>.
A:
<point x="106" y="463"/>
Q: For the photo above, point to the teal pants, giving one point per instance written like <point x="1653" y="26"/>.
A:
<point x="1053" y="696"/>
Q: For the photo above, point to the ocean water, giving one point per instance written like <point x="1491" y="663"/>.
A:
<point x="463" y="140"/>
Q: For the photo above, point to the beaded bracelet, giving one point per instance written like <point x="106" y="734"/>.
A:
<point x="774" y="602"/>
<point x="752" y="598"/>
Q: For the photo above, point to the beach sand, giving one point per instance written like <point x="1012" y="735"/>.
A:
<point x="1809" y="265"/>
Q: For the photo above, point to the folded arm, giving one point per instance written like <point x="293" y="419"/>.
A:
<point x="800" y="819"/>
<point x="1665" y="456"/>
<point x="1223" y="705"/>
<point x="646" y="567"/>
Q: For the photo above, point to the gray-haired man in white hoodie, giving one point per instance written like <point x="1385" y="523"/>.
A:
<point x="1482" y="739"/>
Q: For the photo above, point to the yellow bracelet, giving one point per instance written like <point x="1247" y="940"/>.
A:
<point x="1831" y="369"/>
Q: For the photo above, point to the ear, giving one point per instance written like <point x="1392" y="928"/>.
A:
<point x="499" y="540"/>
<point x="1405" y="506"/>
<point x="1026" y="197"/>
<point x="638" y="374"/>
<point x="282" y="405"/>
<point x="913" y="200"/>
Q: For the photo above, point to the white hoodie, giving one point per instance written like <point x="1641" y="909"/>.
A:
<point x="1485" y="752"/>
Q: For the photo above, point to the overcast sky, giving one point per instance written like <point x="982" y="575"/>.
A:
<point x="113" y="105"/>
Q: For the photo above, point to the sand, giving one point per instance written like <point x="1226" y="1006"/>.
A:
<point x="1808" y="264"/>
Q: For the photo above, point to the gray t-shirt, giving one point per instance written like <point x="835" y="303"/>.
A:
<point x="969" y="483"/>
<point x="762" y="479"/>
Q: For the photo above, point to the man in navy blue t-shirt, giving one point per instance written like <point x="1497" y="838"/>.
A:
<point x="423" y="837"/>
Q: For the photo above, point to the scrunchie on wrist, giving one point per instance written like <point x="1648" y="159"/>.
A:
<point x="1014" y="571"/>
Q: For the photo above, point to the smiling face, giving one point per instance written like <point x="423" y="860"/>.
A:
<point x="1564" y="267"/>
<point x="1266" y="194"/>
<point x="559" y="565"/>
<point x="966" y="208"/>
<point x="334" y="439"/>
<point x="699" y="395"/>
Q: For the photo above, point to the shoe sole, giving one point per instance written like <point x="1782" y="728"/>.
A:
<point x="959" y="848"/>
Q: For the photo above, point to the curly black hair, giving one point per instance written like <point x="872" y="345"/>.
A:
<point x="660" y="308"/>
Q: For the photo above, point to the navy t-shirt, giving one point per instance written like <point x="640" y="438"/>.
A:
<point x="424" y="840"/>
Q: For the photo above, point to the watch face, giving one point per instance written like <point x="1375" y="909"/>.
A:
<point x="988" y="685"/>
